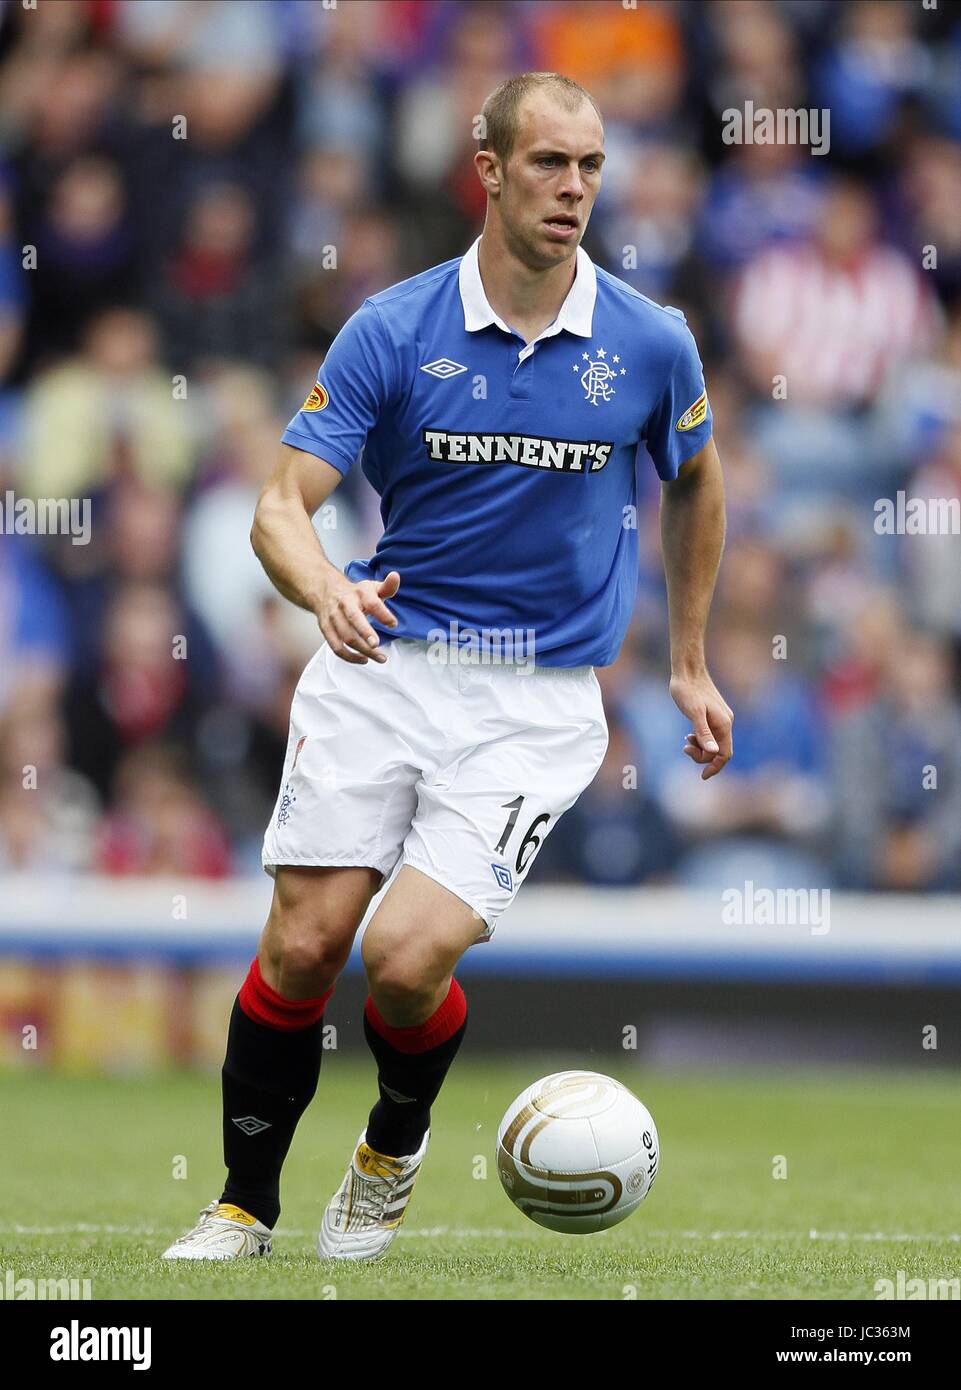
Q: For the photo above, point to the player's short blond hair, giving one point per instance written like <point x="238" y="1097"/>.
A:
<point x="500" y="115"/>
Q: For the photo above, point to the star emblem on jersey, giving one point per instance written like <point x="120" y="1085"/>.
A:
<point x="503" y="875"/>
<point x="443" y="368"/>
<point x="598" y="375"/>
<point x="251" y="1125"/>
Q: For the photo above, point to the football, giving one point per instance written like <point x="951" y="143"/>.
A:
<point x="577" y="1152"/>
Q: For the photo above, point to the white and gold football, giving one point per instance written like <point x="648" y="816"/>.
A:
<point x="577" y="1152"/>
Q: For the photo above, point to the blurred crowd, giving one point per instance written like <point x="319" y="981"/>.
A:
<point x="194" y="196"/>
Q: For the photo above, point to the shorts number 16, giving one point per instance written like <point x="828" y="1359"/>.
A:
<point x="531" y="841"/>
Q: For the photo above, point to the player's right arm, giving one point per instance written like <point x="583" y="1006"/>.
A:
<point x="290" y="551"/>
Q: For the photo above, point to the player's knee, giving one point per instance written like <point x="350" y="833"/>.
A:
<point x="403" y="981"/>
<point x="303" y="955"/>
<point x="310" y="930"/>
<point x="299" y="966"/>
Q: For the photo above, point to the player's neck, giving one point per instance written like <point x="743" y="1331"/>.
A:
<point x="527" y="298"/>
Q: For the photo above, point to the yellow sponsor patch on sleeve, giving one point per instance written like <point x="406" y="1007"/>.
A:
<point x="317" y="399"/>
<point x="694" y="415"/>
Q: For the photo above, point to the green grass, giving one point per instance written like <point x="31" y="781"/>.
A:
<point x="89" y="1192"/>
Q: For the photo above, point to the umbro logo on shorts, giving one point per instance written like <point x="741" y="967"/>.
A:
<point x="503" y="875"/>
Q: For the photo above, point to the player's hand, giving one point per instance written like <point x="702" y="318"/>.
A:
<point x="709" y="743"/>
<point x="341" y="614"/>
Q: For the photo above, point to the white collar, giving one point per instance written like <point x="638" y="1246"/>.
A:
<point x="576" y="314"/>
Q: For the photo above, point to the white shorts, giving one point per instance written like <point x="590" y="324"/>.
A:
<point x="459" y="770"/>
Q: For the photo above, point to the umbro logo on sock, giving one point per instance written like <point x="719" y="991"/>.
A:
<point x="251" y="1125"/>
<point x="394" y="1095"/>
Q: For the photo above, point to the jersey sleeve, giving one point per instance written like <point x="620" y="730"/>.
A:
<point x="351" y="388"/>
<point x="681" y="422"/>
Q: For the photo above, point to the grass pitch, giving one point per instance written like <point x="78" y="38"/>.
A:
<point x="90" y="1192"/>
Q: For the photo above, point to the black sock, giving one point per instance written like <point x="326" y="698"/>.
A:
<point x="269" y="1078"/>
<point x="410" y="1081"/>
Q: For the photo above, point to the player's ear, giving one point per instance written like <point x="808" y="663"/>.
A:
<point x="488" y="168"/>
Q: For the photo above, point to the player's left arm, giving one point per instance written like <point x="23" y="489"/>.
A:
<point x="692" y="538"/>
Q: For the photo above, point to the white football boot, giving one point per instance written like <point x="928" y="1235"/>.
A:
<point x="224" y="1232"/>
<point x="363" y="1216"/>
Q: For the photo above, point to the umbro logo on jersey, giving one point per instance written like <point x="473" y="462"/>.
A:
<point x="443" y="367"/>
<point x="251" y="1125"/>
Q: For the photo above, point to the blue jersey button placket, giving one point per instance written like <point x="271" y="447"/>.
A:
<point x="522" y="378"/>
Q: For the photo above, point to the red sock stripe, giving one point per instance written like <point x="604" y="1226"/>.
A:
<point x="264" y="1005"/>
<point x="432" y="1032"/>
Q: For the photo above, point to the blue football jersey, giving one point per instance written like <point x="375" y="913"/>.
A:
<point x="507" y="472"/>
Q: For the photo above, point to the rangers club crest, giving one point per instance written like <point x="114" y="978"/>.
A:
<point x="598" y="376"/>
